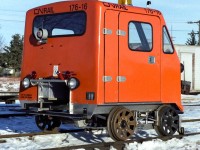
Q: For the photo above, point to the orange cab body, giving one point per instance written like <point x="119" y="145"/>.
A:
<point x="110" y="69"/>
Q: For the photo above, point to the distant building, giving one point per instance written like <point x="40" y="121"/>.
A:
<point x="190" y="57"/>
<point x="8" y="71"/>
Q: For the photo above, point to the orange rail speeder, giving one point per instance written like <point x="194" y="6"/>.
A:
<point x="100" y="64"/>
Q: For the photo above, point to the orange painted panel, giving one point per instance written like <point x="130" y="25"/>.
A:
<point x="111" y="56"/>
<point x="78" y="54"/>
<point x="142" y="78"/>
<point x="170" y="76"/>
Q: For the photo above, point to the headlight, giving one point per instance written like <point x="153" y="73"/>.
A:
<point x="73" y="83"/>
<point x="26" y="82"/>
<point x="41" y="34"/>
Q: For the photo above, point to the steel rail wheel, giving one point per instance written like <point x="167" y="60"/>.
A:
<point x="168" y="122"/>
<point x="46" y="122"/>
<point x="109" y="122"/>
<point x="122" y="124"/>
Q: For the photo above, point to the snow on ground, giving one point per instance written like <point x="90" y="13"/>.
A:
<point x="17" y="125"/>
<point x="190" y="98"/>
<point x="9" y="84"/>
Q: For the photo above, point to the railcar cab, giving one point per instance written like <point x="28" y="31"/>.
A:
<point x="100" y="64"/>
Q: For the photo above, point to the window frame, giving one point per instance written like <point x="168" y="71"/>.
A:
<point x="67" y="35"/>
<point x="133" y="21"/>
<point x="163" y="41"/>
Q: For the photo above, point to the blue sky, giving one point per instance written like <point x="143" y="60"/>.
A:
<point x="176" y="12"/>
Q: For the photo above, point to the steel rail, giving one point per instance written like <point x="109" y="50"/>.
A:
<point x="190" y="120"/>
<point x="14" y="115"/>
<point x="192" y="105"/>
<point x="55" y="131"/>
<point x="119" y="144"/>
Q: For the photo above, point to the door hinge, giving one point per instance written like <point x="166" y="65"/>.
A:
<point x="107" y="78"/>
<point x="121" y="79"/>
<point x="121" y="32"/>
<point x="107" y="31"/>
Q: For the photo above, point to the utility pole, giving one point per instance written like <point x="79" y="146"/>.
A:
<point x="172" y="38"/>
<point x="196" y="22"/>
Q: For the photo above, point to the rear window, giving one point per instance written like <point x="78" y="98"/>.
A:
<point x="65" y="24"/>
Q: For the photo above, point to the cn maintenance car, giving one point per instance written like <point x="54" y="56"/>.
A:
<point x="100" y="65"/>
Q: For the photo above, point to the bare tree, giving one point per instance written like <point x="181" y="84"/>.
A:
<point x="1" y="42"/>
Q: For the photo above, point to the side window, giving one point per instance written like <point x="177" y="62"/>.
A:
<point x="140" y="36"/>
<point x="167" y="44"/>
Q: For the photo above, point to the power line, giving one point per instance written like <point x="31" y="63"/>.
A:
<point x="198" y="23"/>
<point x="11" y="15"/>
<point x="181" y="30"/>
<point x="177" y="22"/>
<point x="12" y="10"/>
<point x="11" y="20"/>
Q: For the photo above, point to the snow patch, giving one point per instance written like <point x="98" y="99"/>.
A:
<point x="9" y="84"/>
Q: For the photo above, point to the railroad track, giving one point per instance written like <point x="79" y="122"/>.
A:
<point x="13" y="111"/>
<point x="104" y="145"/>
<point x="26" y="135"/>
<point x="192" y="105"/>
<point x="14" y="115"/>
<point x="55" y="131"/>
<point x="119" y="145"/>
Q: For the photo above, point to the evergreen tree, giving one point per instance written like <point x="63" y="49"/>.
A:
<point x="13" y="52"/>
<point x="192" y="39"/>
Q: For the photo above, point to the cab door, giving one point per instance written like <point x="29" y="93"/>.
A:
<point x="111" y="56"/>
<point x="139" y="58"/>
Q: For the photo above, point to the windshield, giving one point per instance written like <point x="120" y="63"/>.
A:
<point x="65" y="24"/>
